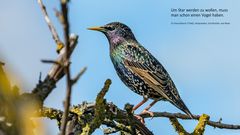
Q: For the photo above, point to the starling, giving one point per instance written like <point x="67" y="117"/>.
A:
<point x="139" y="69"/>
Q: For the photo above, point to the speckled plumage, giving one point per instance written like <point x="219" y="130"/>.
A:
<point x="138" y="68"/>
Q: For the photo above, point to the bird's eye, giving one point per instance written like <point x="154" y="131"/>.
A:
<point x="109" y="28"/>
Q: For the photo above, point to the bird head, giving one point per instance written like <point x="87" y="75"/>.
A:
<point x="115" y="32"/>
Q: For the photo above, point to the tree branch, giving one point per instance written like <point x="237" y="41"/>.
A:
<point x="200" y="128"/>
<point x="75" y="79"/>
<point x="178" y="127"/>
<point x="196" y="117"/>
<point x="91" y="116"/>
<point x="67" y="102"/>
<point x="99" y="111"/>
<point x="115" y="127"/>
<point x="51" y="27"/>
<point x="44" y="88"/>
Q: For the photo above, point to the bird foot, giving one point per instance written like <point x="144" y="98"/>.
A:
<point x="140" y="118"/>
<point x="147" y="112"/>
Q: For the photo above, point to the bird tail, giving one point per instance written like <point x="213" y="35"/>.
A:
<point x="184" y="108"/>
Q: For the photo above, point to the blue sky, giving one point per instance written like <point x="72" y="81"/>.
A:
<point x="203" y="60"/>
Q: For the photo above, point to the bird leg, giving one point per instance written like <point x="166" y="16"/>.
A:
<point x="137" y="106"/>
<point x="146" y="110"/>
<point x="140" y="104"/>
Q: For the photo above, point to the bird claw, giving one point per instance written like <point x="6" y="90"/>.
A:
<point x="140" y="118"/>
<point x="148" y="112"/>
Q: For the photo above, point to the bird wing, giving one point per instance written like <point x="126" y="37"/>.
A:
<point x="151" y="71"/>
<point x="148" y="76"/>
<point x="146" y="66"/>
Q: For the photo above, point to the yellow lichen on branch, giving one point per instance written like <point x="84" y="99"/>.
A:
<point x="178" y="127"/>
<point x="100" y="110"/>
<point x="199" y="129"/>
<point x="51" y="113"/>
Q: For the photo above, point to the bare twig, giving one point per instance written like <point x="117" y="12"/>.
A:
<point x="49" y="23"/>
<point x="59" y="15"/>
<point x="67" y="102"/>
<point x="45" y="87"/>
<point x="57" y="71"/>
<point x="52" y="62"/>
<point x="40" y="77"/>
<point x="196" y="117"/>
<point x="65" y="23"/>
<point x="74" y="80"/>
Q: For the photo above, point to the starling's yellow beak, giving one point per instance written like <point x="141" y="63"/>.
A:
<point x="96" y="28"/>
